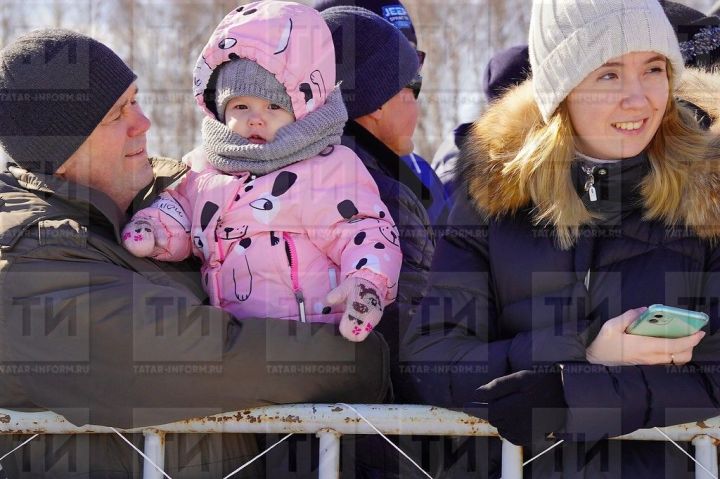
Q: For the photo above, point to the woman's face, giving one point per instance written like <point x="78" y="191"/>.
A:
<point x="617" y="109"/>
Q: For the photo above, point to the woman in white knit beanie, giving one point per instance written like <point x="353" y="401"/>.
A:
<point x="591" y="195"/>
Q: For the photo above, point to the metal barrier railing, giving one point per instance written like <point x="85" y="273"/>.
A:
<point x="330" y="421"/>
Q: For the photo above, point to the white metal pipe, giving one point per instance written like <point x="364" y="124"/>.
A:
<point x="310" y="418"/>
<point x="705" y="454"/>
<point x="297" y="418"/>
<point x="329" y="464"/>
<point x="681" y="432"/>
<point x="155" y="450"/>
<point x="512" y="460"/>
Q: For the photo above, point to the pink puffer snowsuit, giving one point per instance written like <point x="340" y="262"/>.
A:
<point x="275" y="245"/>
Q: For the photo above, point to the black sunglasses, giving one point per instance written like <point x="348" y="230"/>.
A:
<point x="415" y="85"/>
<point x="421" y="58"/>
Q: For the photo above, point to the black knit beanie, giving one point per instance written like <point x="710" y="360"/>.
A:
<point x="698" y="35"/>
<point x="391" y="10"/>
<point x="374" y="60"/>
<point x="55" y="87"/>
<point x="506" y="69"/>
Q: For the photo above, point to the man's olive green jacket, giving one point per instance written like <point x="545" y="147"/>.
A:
<point x="103" y="337"/>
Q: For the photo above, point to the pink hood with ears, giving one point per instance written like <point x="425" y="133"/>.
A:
<point x="290" y="40"/>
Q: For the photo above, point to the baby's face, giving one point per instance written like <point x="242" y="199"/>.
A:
<point x="256" y="119"/>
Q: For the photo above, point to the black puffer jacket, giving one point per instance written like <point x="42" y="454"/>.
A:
<point x="396" y="183"/>
<point x="503" y="297"/>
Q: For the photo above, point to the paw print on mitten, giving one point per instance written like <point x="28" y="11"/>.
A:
<point x="138" y="237"/>
<point x="363" y="307"/>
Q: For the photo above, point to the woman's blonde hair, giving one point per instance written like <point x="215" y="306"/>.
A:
<point x="540" y="170"/>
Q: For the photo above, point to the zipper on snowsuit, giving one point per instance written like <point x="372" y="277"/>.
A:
<point x="292" y="257"/>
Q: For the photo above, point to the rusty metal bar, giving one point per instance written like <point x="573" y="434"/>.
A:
<point x="310" y="418"/>
<point x="682" y="432"/>
<point x="330" y="421"/>
<point x="296" y="418"/>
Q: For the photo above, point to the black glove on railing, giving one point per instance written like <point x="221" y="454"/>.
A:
<point x="525" y="406"/>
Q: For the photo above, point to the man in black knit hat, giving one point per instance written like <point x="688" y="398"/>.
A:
<point x="376" y="66"/>
<point x="96" y="334"/>
<point x="418" y="175"/>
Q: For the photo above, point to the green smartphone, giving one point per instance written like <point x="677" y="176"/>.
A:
<point x="662" y="321"/>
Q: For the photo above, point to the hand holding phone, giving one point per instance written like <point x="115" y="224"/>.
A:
<point x="613" y="346"/>
<point x="662" y="321"/>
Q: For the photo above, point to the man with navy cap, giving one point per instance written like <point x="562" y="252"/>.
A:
<point x="426" y="185"/>
<point x="377" y="66"/>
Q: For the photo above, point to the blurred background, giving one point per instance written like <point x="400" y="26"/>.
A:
<point x="161" y="40"/>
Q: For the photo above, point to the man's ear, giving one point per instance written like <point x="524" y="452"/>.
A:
<point x="376" y="115"/>
<point x="371" y="119"/>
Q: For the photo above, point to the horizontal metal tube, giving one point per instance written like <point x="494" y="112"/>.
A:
<point x="302" y="418"/>
<point x="310" y="418"/>
<point x="681" y="432"/>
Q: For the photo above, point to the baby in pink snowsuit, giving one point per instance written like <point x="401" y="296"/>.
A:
<point x="288" y="223"/>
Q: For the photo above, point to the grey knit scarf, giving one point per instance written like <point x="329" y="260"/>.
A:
<point x="229" y="152"/>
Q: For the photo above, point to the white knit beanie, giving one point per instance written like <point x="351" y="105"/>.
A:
<point x="571" y="38"/>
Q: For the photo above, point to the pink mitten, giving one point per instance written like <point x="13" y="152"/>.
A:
<point x="363" y="307"/>
<point x="138" y="237"/>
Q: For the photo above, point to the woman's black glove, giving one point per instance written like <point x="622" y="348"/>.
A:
<point x="525" y="406"/>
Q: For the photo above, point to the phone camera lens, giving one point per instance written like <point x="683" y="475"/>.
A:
<point x="652" y="320"/>
<point x="659" y="316"/>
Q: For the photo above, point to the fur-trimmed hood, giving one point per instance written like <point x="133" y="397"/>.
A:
<point x="488" y="165"/>
<point x="702" y="89"/>
<point x="491" y="142"/>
